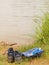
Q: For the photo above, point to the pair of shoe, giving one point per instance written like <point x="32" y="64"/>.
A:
<point x="13" y="56"/>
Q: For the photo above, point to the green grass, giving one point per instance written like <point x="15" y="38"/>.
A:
<point x="45" y="47"/>
<point x="42" y="39"/>
<point x="45" y="55"/>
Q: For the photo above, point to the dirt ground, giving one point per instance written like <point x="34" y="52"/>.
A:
<point x="36" y="61"/>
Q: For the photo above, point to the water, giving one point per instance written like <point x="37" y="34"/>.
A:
<point x="16" y="19"/>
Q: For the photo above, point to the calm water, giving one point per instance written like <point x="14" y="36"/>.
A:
<point x="16" y="18"/>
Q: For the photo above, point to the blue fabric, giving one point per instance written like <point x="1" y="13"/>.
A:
<point x="32" y="52"/>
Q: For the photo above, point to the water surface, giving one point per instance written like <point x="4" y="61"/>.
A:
<point x="16" y="18"/>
